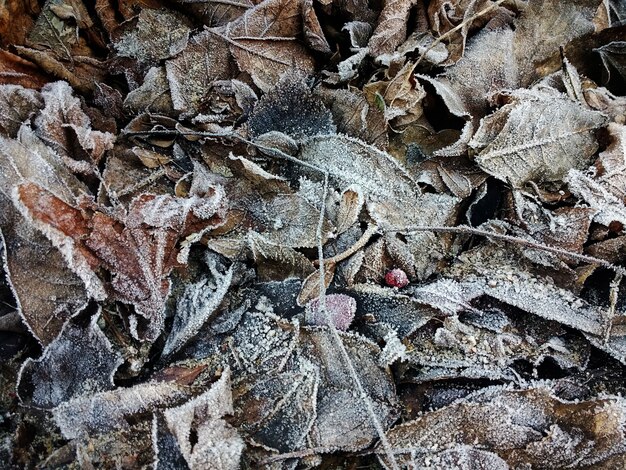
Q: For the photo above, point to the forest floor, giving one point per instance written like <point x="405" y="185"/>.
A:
<point x="292" y="234"/>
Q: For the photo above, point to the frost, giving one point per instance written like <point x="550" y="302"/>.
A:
<point x="217" y="444"/>
<point x="58" y="376"/>
<point x="196" y="306"/>
<point x="515" y="142"/>
<point x="106" y="411"/>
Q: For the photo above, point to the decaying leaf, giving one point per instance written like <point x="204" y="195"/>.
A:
<point x="57" y="376"/>
<point x="526" y="426"/>
<point x="262" y="41"/>
<point x="216" y="443"/>
<point x="537" y="137"/>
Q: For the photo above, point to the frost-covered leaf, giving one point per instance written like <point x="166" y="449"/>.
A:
<point x="153" y="95"/>
<point x="80" y="361"/>
<point x="152" y="36"/>
<point x="191" y="73"/>
<point x="263" y="41"/>
<point x="388" y="188"/>
<point x="214" y="442"/>
<point x="139" y="250"/>
<point x="527" y="426"/>
<point x="400" y="97"/>
<point x="17" y="105"/>
<point x="276" y="261"/>
<point x="342" y="419"/>
<point x="354" y="116"/>
<point x="611" y="163"/>
<point x="391" y="28"/>
<point x="107" y="411"/>
<point x="46" y="290"/>
<point x="498" y="274"/>
<point x="277" y="409"/>
<point x="488" y="344"/>
<point x="196" y="306"/>
<point x="82" y="147"/>
<point x="539" y="138"/>
<point x="291" y="108"/>
<point x="313" y="33"/>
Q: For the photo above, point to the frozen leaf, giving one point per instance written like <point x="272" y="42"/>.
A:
<point x="196" y="306"/>
<point x="204" y="438"/>
<point x="276" y="261"/>
<point x="496" y="273"/>
<point x="382" y="305"/>
<point x="527" y="426"/>
<point x="515" y="141"/>
<point x="218" y="12"/>
<point x="107" y="411"/>
<point x="17" y="105"/>
<point x="310" y="288"/>
<point x="80" y="361"/>
<point x="445" y="15"/>
<point x="153" y="96"/>
<point x="191" y="73"/>
<point x="488" y="344"/>
<point x="313" y="33"/>
<point x="612" y="162"/>
<point x="388" y="188"/>
<point x="544" y="26"/>
<point x="263" y="41"/>
<point x="82" y="147"/>
<point x="342" y="420"/>
<point x="354" y="116"/>
<point x="391" y="27"/>
<point x="256" y="351"/>
<point x="291" y="108"/>
<point x="47" y="292"/>
<point x="401" y="97"/>
<point x="277" y="409"/>
<point x="167" y="452"/>
<point x="152" y="36"/>
<point x="608" y="207"/>
<point x="139" y="251"/>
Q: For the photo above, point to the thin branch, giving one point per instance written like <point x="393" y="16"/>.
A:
<point x="360" y="243"/>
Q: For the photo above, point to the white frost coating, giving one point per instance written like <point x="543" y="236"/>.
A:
<point x="106" y="411"/>
<point x="80" y="361"/>
<point x="540" y="136"/>
<point x="196" y="306"/>
<point x="219" y="445"/>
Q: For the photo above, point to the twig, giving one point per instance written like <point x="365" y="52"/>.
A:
<point x="360" y="243"/>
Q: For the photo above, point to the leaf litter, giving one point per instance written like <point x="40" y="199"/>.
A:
<point x="312" y="234"/>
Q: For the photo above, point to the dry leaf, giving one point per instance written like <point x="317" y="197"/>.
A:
<point x="80" y="361"/>
<point x="514" y="142"/>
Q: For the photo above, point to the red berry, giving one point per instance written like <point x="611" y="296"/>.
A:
<point x="396" y="278"/>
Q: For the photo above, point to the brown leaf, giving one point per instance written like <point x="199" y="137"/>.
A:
<point x="47" y="291"/>
<point x="401" y="97"/>
<point x="139" y="251"/>
<point x="391" y="27"/>
<point x="191" y="74"/>
<point x="62" y="112"/>
<point x="17" y="105"/>
<point x="152" y="36"/>
<point x="16" y="20"/>
<point x="514" y="141"/>
<point x="313" y="34"/>
<point x="354" y="116"/>
<point x="263" y="41"/>
<point x="528" y="426"/>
